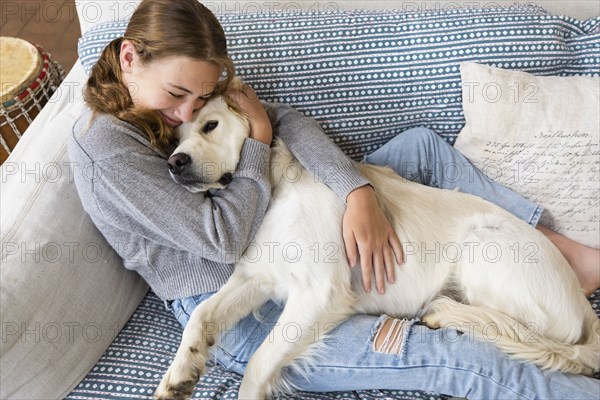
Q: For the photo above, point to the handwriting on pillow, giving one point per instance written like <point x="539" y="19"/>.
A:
<point x="536" y="169"/>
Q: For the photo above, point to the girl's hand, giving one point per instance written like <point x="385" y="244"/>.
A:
<point x="368" y="233"/>
<point x="260" y="126"/>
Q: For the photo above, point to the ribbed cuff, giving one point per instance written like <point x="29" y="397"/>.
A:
<point x="344" y="179"/>
<point x="192" y="278"/>
<point x="254" y="159"/>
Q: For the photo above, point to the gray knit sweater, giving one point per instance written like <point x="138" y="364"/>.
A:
<point x="185" y="243"/>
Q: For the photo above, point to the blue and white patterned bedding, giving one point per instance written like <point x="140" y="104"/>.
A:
<point x="365" y="76"/>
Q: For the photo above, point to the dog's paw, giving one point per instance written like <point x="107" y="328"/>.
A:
<point x="250" y="391"/>
<point x="178" y="383"/>
<point x="257" y="386"/>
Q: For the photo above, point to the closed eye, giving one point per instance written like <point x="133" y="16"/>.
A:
<point x="210" y="126"/>
<point x="206" y="97"/>
<point x="177" y="96"/>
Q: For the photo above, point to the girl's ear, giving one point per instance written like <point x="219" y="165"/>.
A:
<point x="127" y="56"/>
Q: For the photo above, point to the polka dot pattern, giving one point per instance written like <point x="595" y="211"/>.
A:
<point x="367" y="76"/>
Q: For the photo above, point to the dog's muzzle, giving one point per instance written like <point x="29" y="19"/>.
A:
<point x="182" y="171"/>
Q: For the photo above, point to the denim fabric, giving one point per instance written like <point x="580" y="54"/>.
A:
<point x="420" y="155"/>
<point x="442" y="361"/>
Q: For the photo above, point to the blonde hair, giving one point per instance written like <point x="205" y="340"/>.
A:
<point x="157" y="29"/>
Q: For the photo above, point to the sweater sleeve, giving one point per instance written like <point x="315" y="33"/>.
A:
<point x="310" y="145"/>
<point x="130" y="189"/>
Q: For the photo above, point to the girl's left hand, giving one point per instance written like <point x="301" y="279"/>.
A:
<point x="368" y="233"/>
<point x="248" y="101"/>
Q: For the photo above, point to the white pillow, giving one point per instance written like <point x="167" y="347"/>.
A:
<point x="64" y="294"/>
<point x="540" y="136"/>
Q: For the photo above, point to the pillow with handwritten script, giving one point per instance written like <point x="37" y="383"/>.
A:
<point x="538" y="135"/>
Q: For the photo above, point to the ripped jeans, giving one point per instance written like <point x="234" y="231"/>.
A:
<point x="441" y="361"/>
<point x="416" y="358"/>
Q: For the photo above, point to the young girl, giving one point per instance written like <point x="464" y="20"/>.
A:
<point x="171" y="59"/>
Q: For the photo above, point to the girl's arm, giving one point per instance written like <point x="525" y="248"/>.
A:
<point x="125" y="186"/>
<point x="310" y="145"/>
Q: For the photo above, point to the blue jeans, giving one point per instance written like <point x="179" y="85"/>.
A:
<point x="441" y="361"/>
<point x="420" y="155"/>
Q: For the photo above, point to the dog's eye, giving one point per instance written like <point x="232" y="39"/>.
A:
<point x="210" y="126"/>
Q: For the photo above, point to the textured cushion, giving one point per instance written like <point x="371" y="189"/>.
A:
<point x="539" y="136"/>
<point x="367" y="76"/>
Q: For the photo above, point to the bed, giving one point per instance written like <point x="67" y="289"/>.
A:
<point x="77" y="325"/>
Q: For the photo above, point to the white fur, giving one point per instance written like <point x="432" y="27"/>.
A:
<point x="505" y="272"/>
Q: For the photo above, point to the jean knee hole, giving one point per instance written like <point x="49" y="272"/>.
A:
<point x="390" y="336"/>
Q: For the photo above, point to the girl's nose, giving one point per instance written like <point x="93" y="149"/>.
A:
<point x="185" y="110"/>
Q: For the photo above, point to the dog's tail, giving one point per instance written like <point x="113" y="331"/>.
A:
<point x="518" y="340"/>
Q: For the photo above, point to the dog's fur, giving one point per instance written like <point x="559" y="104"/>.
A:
<point x="502" y="272"/>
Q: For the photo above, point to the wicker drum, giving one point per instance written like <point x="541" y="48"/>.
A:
<point x="28" y="77"/>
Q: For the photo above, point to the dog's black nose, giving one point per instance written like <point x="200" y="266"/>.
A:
<point x="178" y="162"/>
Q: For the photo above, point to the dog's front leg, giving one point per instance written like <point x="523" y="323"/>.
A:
<point x="239" y="297"/>
<point x="293" y="341"/>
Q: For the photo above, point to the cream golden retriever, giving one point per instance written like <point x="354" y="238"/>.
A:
<point x="531" y="297"/>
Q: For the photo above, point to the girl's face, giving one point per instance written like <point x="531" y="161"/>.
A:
<point x="174" y="86"/>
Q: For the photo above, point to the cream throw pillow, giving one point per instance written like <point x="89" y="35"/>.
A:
<point x="64" y="293"/>
<point x="539" y="136"/>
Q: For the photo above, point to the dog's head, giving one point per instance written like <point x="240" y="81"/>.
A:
<point x="209" y="147"/>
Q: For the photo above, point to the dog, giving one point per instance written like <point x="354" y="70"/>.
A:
<point x="489" y="276"/>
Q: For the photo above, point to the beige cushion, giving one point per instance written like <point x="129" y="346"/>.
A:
<point x="540" y="137"/>
<point x="64" y="294"/>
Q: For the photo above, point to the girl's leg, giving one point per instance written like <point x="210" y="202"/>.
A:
<point x="359" y="355"/>
<point x="420" y="155"/>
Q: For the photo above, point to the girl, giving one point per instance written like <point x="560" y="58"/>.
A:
<point x="171" y="59"/>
